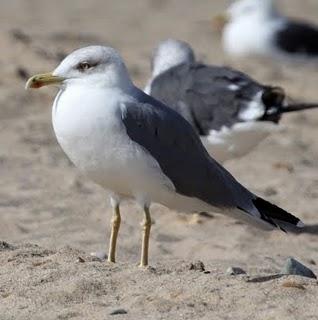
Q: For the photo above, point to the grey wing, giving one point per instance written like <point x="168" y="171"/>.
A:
<point x="170" y="139"/>
<point x="219" y="95"/>
<point x="214" y="95"/>
<point x="177" y="148"/>
<point x="170" y="87"/>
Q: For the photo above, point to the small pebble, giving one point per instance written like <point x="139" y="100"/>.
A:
<point x="151" y="269"/>
<point x="197" y="266"/>
<point x="293" y="284"/>
<point x="233" y="271"/>
<point x="20" y="36"/>
<point x="100" y="255"/>
<point x="195" y="219"/>
<point x="80" y="259"/>
<point x="312" y="261"/>
<point x="5" y="246"/>
<point x="118" y="311"/>
<point x="206" y="215"/>
<point x="284" y="166"/>
<point x="22" y="73"/>
<point x="270" y="192"/>
<point x="294" y="267"/>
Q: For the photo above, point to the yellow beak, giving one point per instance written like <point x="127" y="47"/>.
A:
<point x="41" y="80"/>
<point x="219" y="22"/>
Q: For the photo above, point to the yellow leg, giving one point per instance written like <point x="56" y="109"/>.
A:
<point x="146" y="226"/>
<point x="115" y="224"/>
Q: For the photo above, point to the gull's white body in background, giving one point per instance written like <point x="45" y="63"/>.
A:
<point x="252" y="36"/>
<point x="238" y="141"/>
<point x="256" y="27"/>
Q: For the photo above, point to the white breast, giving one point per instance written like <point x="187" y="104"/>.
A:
<point x="82" y="124"/>
<point x="90" y="131"/>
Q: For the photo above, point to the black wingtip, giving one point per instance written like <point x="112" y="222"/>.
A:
<point x="299" y="107"/>
<point x="277" y="216"/>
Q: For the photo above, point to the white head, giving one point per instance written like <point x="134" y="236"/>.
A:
<point x="171" y="53"/>
<point x="251" y="9"/>
<point x="94" y="65"/>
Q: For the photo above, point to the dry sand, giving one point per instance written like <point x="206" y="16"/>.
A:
<point x="45" y="202"/>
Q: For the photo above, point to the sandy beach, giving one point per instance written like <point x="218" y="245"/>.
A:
<point x="52" y="217"/>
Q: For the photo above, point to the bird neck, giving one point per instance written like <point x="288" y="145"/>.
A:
<point x="163" y="63"/>
<point x="117" y="77"/>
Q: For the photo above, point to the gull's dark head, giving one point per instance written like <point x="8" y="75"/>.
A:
<point x="274" y="101"/>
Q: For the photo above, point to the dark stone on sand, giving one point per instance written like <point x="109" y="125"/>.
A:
<point x="22" y="73"/>
<point x="5" y="246"/>
<point x="99" y="256"/>
<point x="80" y="259"/>
<point x="118" y="311"/>
<point x="294" y="267"/>
<point x="20" y="36"/>
<point x="234" y="271"/>
<point x="197" y="266"/>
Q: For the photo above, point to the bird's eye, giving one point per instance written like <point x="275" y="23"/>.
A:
<point x="83" y="66"/>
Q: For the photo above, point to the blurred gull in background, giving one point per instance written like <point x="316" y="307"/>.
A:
<point x="230" y="111"/>
<point x="255" y="27"/>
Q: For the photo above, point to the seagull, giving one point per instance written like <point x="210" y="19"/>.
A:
<point x="256" y="27"/>
<point x="230" y="111"/>
<point x="136" y="147"/>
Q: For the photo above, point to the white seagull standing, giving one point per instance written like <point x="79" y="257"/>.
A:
<point x="136" y="147"/>
<point x="255" y="27"/>
<point x="230" y="111"/>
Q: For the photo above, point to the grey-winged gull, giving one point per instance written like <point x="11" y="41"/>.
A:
<point x="136" y="147"/>
<point x="256" y="27"/>
<point x="230" y="111"/>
